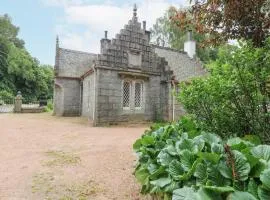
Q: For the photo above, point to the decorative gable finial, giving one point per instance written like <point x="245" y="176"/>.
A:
<point x="135" y="10"/>
<point x="57" y="41"/>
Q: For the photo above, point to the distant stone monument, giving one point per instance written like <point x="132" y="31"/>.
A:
<point x="18" y="103"/>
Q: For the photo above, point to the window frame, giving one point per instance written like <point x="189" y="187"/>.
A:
<point x="141" y="94"/>
<point x="130" y="94"/>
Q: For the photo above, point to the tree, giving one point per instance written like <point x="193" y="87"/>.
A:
<point x="9" y="31"/>
<point x="228" y="19"/>
<point x="231" y="99"/>
<point x="19" y="71"/>
<point x="166" y="33"/>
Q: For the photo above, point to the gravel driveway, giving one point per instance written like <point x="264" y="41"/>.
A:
<point x="47" y="157"/>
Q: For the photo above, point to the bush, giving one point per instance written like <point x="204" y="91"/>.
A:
<point x="179" y="161"/>
<point x="6" y="97"/>
<point x="49" y="106"/>
<point x="235" y="98"/>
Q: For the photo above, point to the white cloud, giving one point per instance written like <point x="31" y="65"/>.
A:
<point x="85" y="22"/>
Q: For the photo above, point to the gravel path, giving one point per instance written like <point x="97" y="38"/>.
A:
<point x="47" y="157"/>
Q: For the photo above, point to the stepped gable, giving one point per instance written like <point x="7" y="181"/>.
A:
<point x="130" y="49"/>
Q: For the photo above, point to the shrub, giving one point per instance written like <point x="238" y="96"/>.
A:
<point x="235" y="98"/>
<point x="179" y="162"/>
<point x="49" y="106"/>
<point x="6" y="97"/>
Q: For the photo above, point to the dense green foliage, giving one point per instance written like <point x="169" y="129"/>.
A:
<point x="181" y="162"/>
<point x="49" y="107"/>
<point x="166" y="33"/>
<point x="19" y="71"/>
<point x="234" y="98"/>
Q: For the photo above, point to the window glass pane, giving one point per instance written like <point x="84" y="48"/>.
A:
<point x="126" y="94"/>
<point x="138" y="95"/>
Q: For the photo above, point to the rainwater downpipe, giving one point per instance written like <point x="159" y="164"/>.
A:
<point x="173" y="101"/>
<point x="94" y="109"/>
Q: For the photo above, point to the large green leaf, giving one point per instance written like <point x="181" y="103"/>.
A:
<point x="175" y="169"/>
<point x="252" y="160"/>
<point x="265" y="178"/>
<point x="186" y="144"/>
<point x="238" y="195"/>
<point x="157" y="173"/>
<point x="217" y="148"/>
<point x="263" y="193"/>
<point x="219" y="189"/>
<point x="253" y="187"/>
<point x="161" y="182"/>
<point x="147" y="140"/>
<point x="261" y="152"/>
<point x="171" y="150"/>
<point x="186" y="176"/>
<point x="201" y="173"/>
<point x="210" y="157"/>
<point x="171" y="187"/>
<point x="152" y="167"/>
<point x="258" y="169"/>
<point x="204" y="194"/>
<point x="199" y="141"/>
<point x="187" y="159"/>
<point x="238" y="144"/>
<point x="137" y="145"/>
<point x="185" y="193"/>
<point x="240" y="165"/>
<point x="215" y="177"/>
<point x="211" y="138"/>
<point x="142" y="175"/>
<point x="164" y="158"/>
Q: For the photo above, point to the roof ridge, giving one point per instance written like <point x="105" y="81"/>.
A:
<point x="169" y="48"/>
<point x="77" y="51"/>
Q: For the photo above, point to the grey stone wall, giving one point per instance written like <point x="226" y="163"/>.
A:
<point x="69" y="65"/>
<point x="184" y="68"/>
<point x="88" y="101"/>
<point x="67" y="99"/>
<point x="58" y="100"/>
<point x="73" y="63"/>
<point x="110" y="95"/>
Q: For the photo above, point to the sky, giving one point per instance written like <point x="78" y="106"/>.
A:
<point x="80" y="24"/>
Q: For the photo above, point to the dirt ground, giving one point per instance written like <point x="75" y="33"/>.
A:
<point x="47" y="157"/>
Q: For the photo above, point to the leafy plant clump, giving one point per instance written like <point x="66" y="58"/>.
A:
<point x="181" y="162"/>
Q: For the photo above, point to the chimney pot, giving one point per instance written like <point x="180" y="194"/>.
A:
<point x="190" y="45"/>
<point x="189" y="35"/>
<point x="106" y="34"/>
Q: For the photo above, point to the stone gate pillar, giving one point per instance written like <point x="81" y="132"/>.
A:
<point x="18" y="103"/>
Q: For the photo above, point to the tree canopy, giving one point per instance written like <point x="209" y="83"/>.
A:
<point x="223" y="20"/>
<point x="19" y="71"/>
<point x="166" y="32"/>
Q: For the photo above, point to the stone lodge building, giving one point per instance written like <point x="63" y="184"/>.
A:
<point x="130" y="80"/>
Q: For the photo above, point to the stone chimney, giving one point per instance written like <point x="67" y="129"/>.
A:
<point x="190" y="45"/>
<point x="144" y="25"/>
<point x="104" y="42"/>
